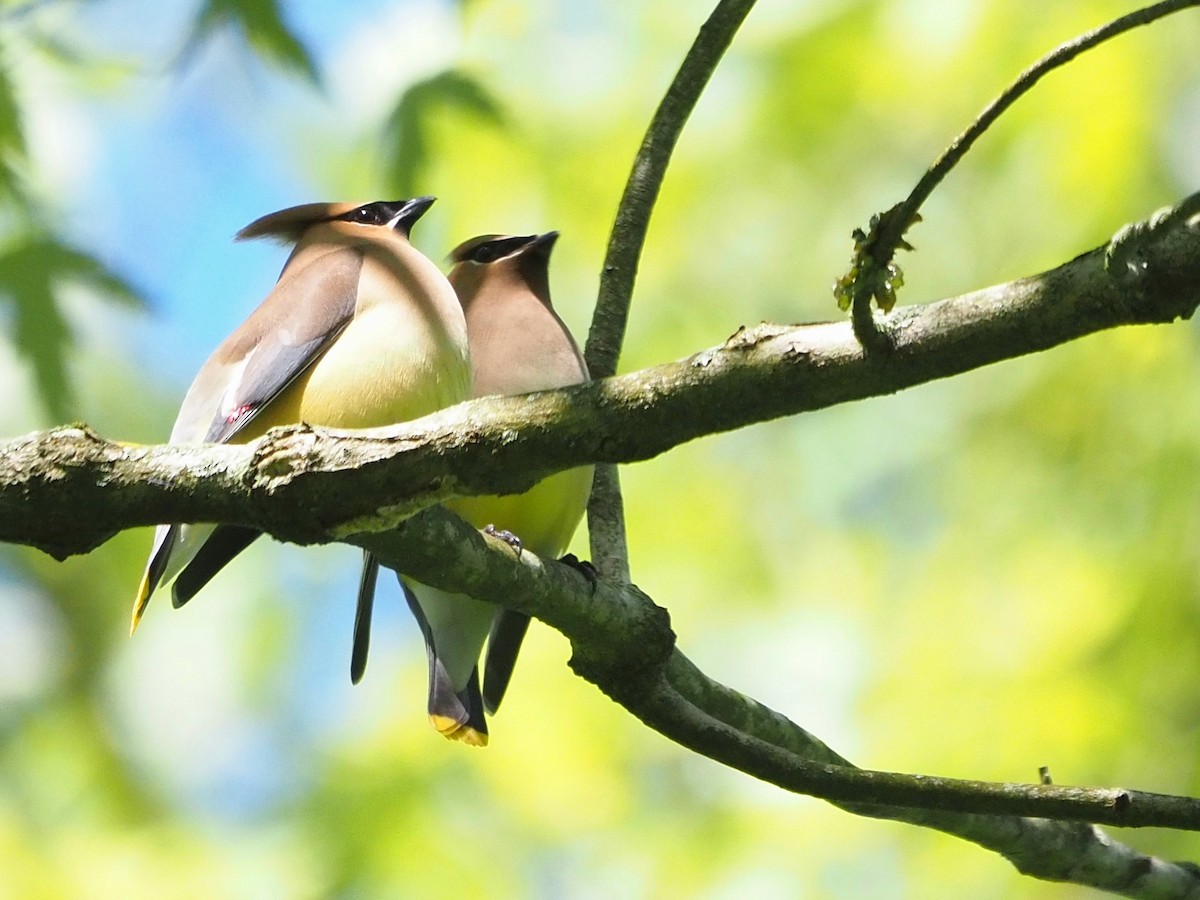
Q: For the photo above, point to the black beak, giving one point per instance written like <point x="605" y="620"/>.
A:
<point x="410" y="211"/>
<point x="542" y="244"/>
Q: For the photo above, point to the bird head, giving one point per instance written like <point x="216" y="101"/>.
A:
<point x="289" y="225"/>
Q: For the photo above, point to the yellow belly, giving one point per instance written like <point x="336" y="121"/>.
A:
<point x="544" y="517"/>
<point x="387" y="366"/>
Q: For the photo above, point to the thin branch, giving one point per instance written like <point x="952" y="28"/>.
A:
<point x="606" y="521"/>
<point x="1056" y="58"/>
<point x="628" y="235"/>
<point x="607" y="539"/>
<point x="622" y="643"/>
<point x="874" y="274"/>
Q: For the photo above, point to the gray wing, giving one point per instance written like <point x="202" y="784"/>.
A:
<point x="303" y="315"/>
<point x="504" y="643"/>
<point x="300" y="318"/>
<point x="286" y="334"/>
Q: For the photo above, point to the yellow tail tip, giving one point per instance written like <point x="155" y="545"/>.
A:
<point x="452" y="729"/>
<point x="139" y="603"/>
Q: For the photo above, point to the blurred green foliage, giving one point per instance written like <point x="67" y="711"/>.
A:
<point x="406" y="130"/>
<point x="31" y="268"/>
<point x="974" y="578"/>
<point x="261" y="23"/>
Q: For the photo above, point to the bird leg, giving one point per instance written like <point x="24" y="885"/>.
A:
<point x="507" y="536"/>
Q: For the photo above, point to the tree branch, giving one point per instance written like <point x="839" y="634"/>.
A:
<point x="622" y="642"/>
<point x="873" y="273"/>
<point x="67" y="490"/>
<point x="309" y="485"/>
<point x="628" y="236"/>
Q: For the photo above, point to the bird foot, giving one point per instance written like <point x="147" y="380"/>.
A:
<point x="507" y="536"/>
<point x="583" y="567"/>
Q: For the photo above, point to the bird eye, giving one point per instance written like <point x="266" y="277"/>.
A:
<point x="371" y="214"/>
<point x="490" y="251"/>
<point x="485" y="253"/>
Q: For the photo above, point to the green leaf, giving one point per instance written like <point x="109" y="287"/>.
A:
<point x="408" y="125"/>
<point x="31" y="271"/>
<point x="262" y="24"/>
<point x="12" y="137"/>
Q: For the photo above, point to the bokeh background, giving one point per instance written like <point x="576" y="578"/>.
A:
<point x="974" y="578"/>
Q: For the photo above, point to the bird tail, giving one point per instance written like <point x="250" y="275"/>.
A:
<point x="456" y="714"/>
<point x="504" y="643"/>
<point x="362" y="616"/>
<point x="190" y="555"/>
<point x="164" y="542"/>
<point x="217" y="551"/>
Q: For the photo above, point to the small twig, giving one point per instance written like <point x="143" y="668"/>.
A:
<point x="628" y="236"/>
<point x="606" y="523"/>
<point x="874" y="274"/>
<point x="1056" y="58"/>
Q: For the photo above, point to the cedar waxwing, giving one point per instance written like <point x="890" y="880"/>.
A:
<point x="361" y="330"/>
<point x="518" y="345"/>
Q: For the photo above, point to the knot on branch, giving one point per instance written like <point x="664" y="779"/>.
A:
<point x="874" y="273"/>
<point x="626" y="656"/>
<point x="282" y="454"/>
<point x="745" y="339"/>
<point x="1142" y="262"/>
<point x="72" y="448"/>
<point x="64" y="454"/>
<point x="41" y="466"/>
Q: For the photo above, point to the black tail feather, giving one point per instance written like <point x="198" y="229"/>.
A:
<point x="362" y="617"/>
<point x="504" y="643"/>
<point x="463" y="707"/>
<point x="226" y="542"/>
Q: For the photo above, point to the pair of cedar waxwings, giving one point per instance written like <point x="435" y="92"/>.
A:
<point x="362" y="330"/>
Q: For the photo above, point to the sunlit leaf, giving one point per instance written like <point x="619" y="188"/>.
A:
<point x="262" y="24"/>
<point x="408" y="126"/>
<point x="97" y="72"/>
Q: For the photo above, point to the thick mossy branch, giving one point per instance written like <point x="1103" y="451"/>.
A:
<point x="67" y="490"/>
<point x="622" y="642"/>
